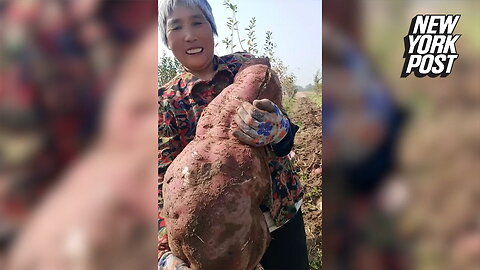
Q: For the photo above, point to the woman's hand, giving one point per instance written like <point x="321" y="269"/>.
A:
<point x="261" y="123"/>
<point x="168" y="261"/>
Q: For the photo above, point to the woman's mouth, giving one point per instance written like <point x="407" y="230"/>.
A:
<point x="194" y="51"/>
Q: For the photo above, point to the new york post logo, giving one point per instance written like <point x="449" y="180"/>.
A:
<point x="430" y="46"/>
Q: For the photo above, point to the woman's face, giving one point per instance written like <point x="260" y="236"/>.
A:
<point x="190" y="37"/>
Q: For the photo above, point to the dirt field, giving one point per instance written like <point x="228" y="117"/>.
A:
<point x="307" y="159"/>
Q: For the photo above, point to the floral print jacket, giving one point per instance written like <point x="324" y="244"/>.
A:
<point x="181" y="102"/>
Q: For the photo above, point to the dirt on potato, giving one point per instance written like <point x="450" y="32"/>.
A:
<point x="308" y="162"/>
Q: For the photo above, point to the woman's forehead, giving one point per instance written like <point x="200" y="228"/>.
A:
<point x="181" y="13"/>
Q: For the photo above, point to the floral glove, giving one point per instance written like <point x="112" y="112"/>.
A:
<point x="168" y="261"/>
<point x="261" y="123"/>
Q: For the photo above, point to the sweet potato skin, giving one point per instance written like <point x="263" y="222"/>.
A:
<point x="213" y="189"/>
<point x="213" y="220"/>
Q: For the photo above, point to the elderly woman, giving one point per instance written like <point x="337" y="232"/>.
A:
<point x="187" y="28"/>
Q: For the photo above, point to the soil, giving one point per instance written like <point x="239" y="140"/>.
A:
<point x="308" y="161"/>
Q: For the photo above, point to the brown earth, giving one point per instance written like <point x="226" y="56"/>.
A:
<point x="308" y="161"/>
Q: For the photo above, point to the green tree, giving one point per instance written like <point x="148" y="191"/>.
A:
<point x="168" y="67"/>
<point x="287" y="79"/>
<point x="317" y="83"/>
<point x="269" y="47"/>
<point x="289" y="86"/>
<point x="251" y="35"/>
<point x="232" y="24"/>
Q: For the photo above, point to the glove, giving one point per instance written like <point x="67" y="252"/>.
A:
<point x="261" y="123"/>
<point x="168" y="261"/>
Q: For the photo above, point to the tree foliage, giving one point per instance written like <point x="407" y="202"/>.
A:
<point x="168" y="67"/>
<point x="232" y="24"/>
<point x="287" y="79"/>
<point x="251" y="35"/>
<point x="317" y="83"/>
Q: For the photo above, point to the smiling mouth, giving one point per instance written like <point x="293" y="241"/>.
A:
<point x="194" y="51"/>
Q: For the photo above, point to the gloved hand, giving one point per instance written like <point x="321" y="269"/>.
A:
<point x="261" y="123"/>
<point x="168" y="261"/>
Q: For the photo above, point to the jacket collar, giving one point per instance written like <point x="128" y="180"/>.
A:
<point x="191" y="80"/>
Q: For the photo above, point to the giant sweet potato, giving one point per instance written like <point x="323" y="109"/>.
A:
<point x="213" y="189"/>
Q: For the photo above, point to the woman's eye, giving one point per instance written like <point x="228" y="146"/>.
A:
<point x="175" y="28"/>
<point x="197" y="23"/>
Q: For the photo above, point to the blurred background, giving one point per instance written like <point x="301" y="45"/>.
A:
<point x="62" y="81"/>
<point x="400" y="164"/>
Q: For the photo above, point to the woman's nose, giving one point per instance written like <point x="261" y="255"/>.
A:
<point x="190" y="36"/>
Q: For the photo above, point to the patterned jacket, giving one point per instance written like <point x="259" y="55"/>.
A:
<point x="181" y="102"/>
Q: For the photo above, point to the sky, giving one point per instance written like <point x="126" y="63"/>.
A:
<point x="296" y="26"/>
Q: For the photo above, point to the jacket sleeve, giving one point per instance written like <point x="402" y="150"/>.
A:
<point x="169" y="142"/>
<point x="284" y="147"/>
<point x="169" y="146"/>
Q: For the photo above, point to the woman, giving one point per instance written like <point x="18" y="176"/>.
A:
<point x="187" y="28"/>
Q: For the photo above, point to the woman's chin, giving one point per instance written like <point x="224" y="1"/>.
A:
<point x="197" y="67"/>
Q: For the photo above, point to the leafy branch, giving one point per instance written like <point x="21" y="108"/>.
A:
<point x="269" y="46"/>
<point x="252" y="45"/>
<point x="287" y="79"/>
<point x="317" y="82"/>
<point x="168" y="67"/>
<point x="232" y="24"/>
